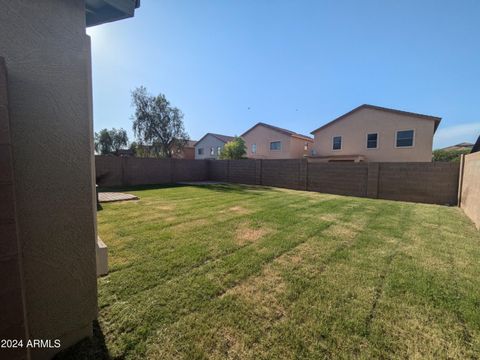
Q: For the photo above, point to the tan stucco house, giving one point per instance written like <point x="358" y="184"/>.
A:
<point x="210" y="146"/>
<point x="265" y="141"/>
<point x="376" y="134"/>
<point x="47" y="172"/>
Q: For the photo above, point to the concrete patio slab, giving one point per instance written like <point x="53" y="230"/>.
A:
<point x="104" y="197"/>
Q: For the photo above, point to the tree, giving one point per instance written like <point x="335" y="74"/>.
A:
<point x="157" y="124"/>
<point x="449" y="155"/>
<point x="119" y="139"/>
<point x="109" y="141"/>
<point x="234" y="150"/>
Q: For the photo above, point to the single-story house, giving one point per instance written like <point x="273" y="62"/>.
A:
<point x="266" y="141"/>
<point x="376" y="134"/>
<point x="210" y="146"/>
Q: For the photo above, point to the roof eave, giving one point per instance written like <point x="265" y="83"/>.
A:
<point x="104" y="11"/>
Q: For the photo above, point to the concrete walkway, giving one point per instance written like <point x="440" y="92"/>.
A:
<point x="104" y="197"/>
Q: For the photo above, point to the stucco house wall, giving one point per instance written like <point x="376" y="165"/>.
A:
<point x="47" y="56"/>
<point x="291" y="147"/>
<point x="354" y="128"/>
<point x="208" y="142"/>
<point x="470" y="189"/>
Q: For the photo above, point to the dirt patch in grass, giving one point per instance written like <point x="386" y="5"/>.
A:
<point x="236" y="209"/>
<point x="320" y="217"/>
<point x="341" y="231"/>
<point x="246" y="233"/>
<point x="263" y="291"/>
<point x="230" y="346"/>
<point x="191" y="224"/>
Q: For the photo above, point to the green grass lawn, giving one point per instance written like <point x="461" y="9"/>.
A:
<point x="259" y="273"/>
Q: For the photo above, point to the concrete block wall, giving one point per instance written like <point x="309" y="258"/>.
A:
<point x="130" y="171"/>
<point x="218" y="170"/>
<point x="283" y="173"/>
<point x="470" y="187"/>
<point x="242" y="171"/>
<point x="435" y="183"/>
<point x="338" y="178"/>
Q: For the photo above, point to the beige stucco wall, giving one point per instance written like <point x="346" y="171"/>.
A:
<point x="355" y="127"/>
<point x="470" y="193"/>
<point x="47" y="55"/>
<point x="292" y="147"/>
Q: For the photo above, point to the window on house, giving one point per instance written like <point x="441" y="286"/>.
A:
<point x="276" y="145"/>
<point x="254" y="148"/>
<point x="219" y="150"/>
<point x="305" y="147"/>
<point x="337" y="143"/>
<point x="212" y="151"/>
<point x="405" y="138"/>
<point x="200" y="151"/>
<point x="372" y="141"/>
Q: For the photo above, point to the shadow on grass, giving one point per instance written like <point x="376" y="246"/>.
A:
<point x="137" y="187"/>
<point x="91" y="348"/>
<point x="221" y="187"/>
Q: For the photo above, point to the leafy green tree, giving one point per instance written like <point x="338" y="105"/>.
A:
<point x="234" y="150"/>
<point x="109" y="141"/>
<point x="156" y="124"/>
<point x="119" y="139"/>
<point x="103" y="142"/>
<point x="449" y="155"/>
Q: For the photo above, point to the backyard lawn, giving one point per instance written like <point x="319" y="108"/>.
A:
<point x="261" y="273"/>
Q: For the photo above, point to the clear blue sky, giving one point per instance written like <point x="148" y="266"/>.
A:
<point x="298" y="64"/>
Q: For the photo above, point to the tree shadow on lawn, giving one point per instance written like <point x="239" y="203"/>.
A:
<point x="220" y="187"/>
<point x="89" y="348"/>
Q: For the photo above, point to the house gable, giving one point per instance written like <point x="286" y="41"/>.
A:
<point x="379" y="108"/>
<point x="349" y="135"/>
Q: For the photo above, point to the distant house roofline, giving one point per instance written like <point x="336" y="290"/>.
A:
<point x="222" y="138"/>
<point x="103" y="11"/>
<point x="283" y="131"/>
<point x="374" y="107"/>
<point x="460" y="146"/>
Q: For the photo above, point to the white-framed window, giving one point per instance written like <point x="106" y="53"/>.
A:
<point x="305" y="147"/>
<point x="337" y="143"/>
<point x="405" y="138"/>
<point x="276" y="145"/>
<point x="254" y="148"/>
<point x="212" y="151"/>
<point x="219" y="150"/>
<point x="200" y="151"/>
<point x="372" y="141"/>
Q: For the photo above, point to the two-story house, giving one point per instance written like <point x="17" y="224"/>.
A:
<point x="210" y="146"/>
<point x="264" y="141"/>
<point x="376" y="134"/>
